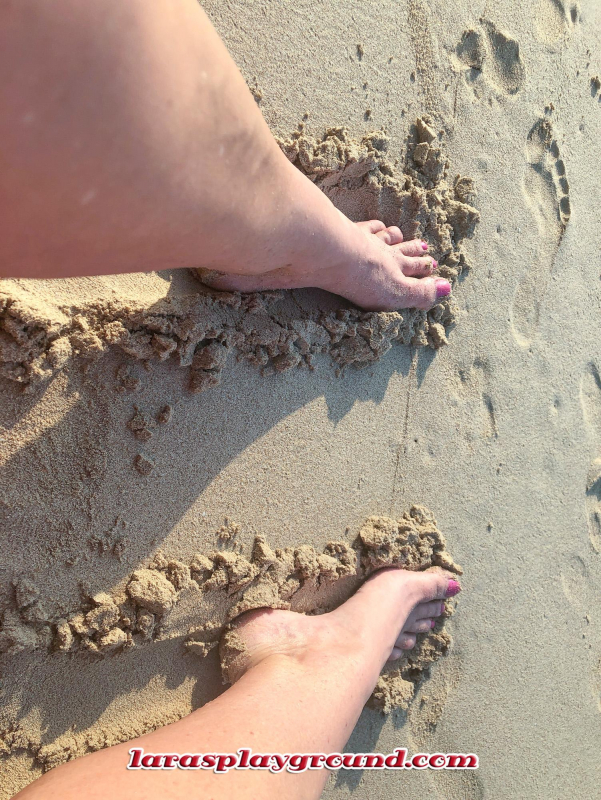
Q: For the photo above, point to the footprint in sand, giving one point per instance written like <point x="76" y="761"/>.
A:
<point x="576" y="570"/>
<point x="593" y="504"/>
<point x="597" y="685"/>
<point x="552" y="19"/>
<point x="493" y="56"/>
<point x="547" y="194"/>
<point x="574" y="579"/>
<point x="590" y="401"/>
<point x="423" y="716"/>
<point x="471" y="389"/>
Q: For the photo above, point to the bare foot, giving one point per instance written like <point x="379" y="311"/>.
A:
<point x="378" y="623"/>
<point x="375" y="269"/>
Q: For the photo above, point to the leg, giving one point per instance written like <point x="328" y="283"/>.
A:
<point x="301" y="688"/>
<point x="131" y="142"/>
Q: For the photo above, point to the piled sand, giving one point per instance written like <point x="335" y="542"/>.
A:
<point x="39" y="334"/>
<point x="58" y="334"/>
<point x="194" y="602"/>
<point x="166" y="458"/>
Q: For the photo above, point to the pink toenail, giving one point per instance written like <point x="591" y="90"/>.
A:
<point x="424" y="245"/>
<point x="453" y="588"/>
<point x="433" y="623"/>
<point x="443" y="288"/>
<point x="434" y="264"/>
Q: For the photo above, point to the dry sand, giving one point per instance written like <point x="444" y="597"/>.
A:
<point x="170" y="455"/>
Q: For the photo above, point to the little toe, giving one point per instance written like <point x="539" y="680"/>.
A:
<point x="414" y="247"/>
<point x="395" y="653"/>
<point x="418" y="267"/>
<point x="391" y="235"/>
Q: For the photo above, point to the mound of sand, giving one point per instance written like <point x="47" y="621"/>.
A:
<point x="43" y="324"/>
<point x="195" y="602"/>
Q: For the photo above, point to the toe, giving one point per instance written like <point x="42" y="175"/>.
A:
<point x="395" y="653"/>
<point x="420" y="619"/>
<point x="391" y="235"/>
<point x="424" y="293"/>
<point x="439" y="584"/>
<point x="419" y="626"/>
<point x="406" y="641"/>
<point x="372" y="226"/>
<point x="418" y="267"/>
<point x="428" y="610"/>
<point x="415" y="247"/>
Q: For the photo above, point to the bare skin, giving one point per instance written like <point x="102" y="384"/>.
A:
<point x="130" y="142"/>
<point x="301" y="689"/>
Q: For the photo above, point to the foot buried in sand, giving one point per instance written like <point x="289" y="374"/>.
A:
<point x="377" y="270"/>
<point x="378" y="623"/>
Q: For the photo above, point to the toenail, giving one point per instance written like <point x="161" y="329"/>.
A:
<point x="453" y="588"/>
<point x="443" y="288"/>
<point x="432" y="623"/>
<point x="424" y="245"/>
<point x="434" y="264"/>
<point x="442" y="608"/>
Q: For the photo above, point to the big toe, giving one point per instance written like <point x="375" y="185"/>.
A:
<point x="425" y="292"/>
<point x="437" y="584"/>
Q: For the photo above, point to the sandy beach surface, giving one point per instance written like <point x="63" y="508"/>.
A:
<point x="170" y="456"/>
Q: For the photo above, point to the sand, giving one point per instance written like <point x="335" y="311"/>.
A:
<point x="40" y="333"/>
<point x="171" y="455"/>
